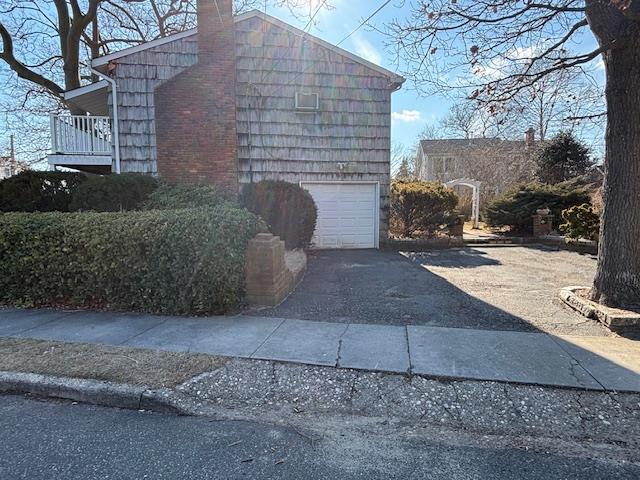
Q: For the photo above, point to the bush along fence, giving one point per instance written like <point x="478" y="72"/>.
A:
<point x="189" y="261"/>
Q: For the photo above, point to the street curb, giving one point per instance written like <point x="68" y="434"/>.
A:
<point x="612" y="318"/>
<point x="95" y="392"/>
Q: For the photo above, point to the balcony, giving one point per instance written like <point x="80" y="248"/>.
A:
<point x="81" y="142"/>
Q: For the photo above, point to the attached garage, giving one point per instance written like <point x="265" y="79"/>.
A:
<point x="348" y="214"/>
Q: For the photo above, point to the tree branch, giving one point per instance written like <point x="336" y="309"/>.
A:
<point x="21" y="69"/>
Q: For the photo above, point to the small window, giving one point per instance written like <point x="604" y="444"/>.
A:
<point x="449" y="165"/>
<point x="307" y="101"/>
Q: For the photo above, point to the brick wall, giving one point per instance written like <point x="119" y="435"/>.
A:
<point x="195" y="111"/>
<point x="268" y="280"/>
<point x="542" y="225"/>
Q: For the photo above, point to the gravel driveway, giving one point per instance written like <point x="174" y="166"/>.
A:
<point x="495" y="288"/>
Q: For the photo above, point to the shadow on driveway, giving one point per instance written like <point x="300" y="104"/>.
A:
<point x="460" y="288"/>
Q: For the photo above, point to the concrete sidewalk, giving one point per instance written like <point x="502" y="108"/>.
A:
<point x="598" y="363"/>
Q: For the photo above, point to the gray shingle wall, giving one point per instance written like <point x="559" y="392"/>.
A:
<point x="275" y="141"/>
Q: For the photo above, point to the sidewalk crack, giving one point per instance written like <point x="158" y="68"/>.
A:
<point x="268" y="337"/>
<point x="142" y="332"/>
<point x="406" y="337"/>
<point x="339" y="352"/>
<point x="577" y="362"/>
<point x="54" y="319"/>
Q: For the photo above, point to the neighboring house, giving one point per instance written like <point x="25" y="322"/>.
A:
<point x="9" y="167"/>
<point x="241" y="100"/>
<point x="498" y="164"/>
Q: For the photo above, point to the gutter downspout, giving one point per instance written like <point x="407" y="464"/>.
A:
<point x="115" y="126"/>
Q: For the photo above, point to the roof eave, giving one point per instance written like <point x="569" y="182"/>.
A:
<point x="396" y="80"/>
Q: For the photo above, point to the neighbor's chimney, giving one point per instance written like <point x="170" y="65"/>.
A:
<point x="529" y="137"/>
<point x="195" y="111"/>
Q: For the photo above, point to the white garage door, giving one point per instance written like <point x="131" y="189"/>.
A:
<point x="347" y="214"/>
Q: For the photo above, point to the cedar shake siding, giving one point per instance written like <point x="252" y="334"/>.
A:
<point x="195" y="111"/>
<point x="347" y="139"/>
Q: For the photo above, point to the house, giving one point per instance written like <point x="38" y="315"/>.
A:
<point x="498" y="164"/>
<point x="9" y="166"/>
<point x="242" y="99"/>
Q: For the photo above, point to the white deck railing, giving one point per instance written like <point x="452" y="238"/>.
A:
<point x="80" y="135"/>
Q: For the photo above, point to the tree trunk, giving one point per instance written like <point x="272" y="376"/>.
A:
<point x="617" y="281"/>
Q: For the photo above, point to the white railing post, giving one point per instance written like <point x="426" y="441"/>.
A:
<point x="54" y="142"/>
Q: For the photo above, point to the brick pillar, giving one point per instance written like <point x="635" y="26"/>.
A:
<point x="542" y="225"/>
<point x="456" y="229"/>
<point x="268" y="280"/>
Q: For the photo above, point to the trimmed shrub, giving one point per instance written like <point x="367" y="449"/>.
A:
<point x="33" y="191"/>
<point x="161" y="261"/>
<point x="420" y="209"/>
<point x="516" y="207"/>
<point x="168" y="197"/>
<point x="287" y="208"/>
<point x="581" y="221"/>
<point x="113" y="193"/>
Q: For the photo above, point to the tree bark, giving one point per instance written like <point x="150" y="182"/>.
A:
<point x="617" y="281"/>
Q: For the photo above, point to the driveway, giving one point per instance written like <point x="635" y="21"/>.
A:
<point x="494" y="288"/>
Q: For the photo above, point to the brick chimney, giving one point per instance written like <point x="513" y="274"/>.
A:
<point x="195" y="111"/>
<point x="529" y="137"/>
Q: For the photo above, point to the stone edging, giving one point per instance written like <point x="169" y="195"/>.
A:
<point x="417" y="245"/>
<point x="91" y="391"/>
<point x="612" y="318"/>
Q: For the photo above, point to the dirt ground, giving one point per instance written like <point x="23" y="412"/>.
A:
<point x="134" y="366"/>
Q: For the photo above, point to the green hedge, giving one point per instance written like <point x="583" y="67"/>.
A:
<point x="171" y="262"/>
<point x="33" y="191"/>
<point x="420" y="209"/>
<point x="184" y="196"/>
<point x="516" y="207"/>
<point x="112" y="193"/>
<point x="288" y="209"/>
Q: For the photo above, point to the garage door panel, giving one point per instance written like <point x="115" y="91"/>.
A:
<point x="347" y="214"/>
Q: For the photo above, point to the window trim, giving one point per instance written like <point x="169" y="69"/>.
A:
<point x="309" y="109"/>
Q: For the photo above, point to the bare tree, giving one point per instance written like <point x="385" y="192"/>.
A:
<point x="564" y="100"/>
<point x="460" y="121"/>
<point x="47" y="47"/>
<point x="431" y="131"/>
<point x="401" y="154"/>
<point x="470" y="119"/>
<point x="497" y="49"/>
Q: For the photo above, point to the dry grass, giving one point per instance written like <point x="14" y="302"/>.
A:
<point x="134" y="366"/>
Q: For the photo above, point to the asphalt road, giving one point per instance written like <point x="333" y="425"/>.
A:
<point x="55" y="440"/>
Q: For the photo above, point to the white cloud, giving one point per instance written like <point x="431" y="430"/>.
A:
<point x="366" y="50"/>
<point x="407" y="116"/>
<point x="498" y="67"/>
